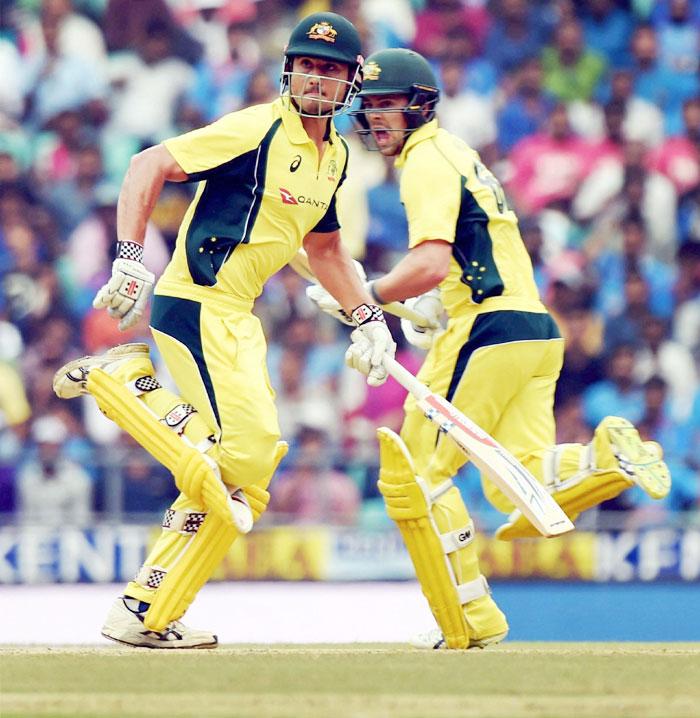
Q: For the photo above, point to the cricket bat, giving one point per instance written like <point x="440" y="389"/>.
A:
<point x="511" y="477"/>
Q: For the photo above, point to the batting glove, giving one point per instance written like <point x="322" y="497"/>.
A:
<point x="328" y="304"/>
<point x="126" y="293"/>
<point x="370" y="342"/>
<point x="430" y="306"/>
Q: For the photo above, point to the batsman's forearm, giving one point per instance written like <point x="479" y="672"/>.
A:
<point x="138" y="196"/>
<point x="415" y="274"/>
<point x="333" y="268"/>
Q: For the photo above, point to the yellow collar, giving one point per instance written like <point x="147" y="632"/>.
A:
<point x="293" y="125"/>
<point x="428" y="130"/>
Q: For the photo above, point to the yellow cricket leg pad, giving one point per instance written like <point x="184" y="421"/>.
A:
<point x="485" y="620"/>
<point x="161" y="401"/>
<point x="407" y="505"/>
<point x="194" y="474"/>
<point x="588" y="493"/>
<point x="125" y="410"/>
<point x="584" y="476"/>
<point x="200" y="555"/>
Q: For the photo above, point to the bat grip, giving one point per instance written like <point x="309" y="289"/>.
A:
<point x="405" y="378"/>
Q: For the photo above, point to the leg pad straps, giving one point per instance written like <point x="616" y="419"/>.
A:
<point x="200" y="556"/>
<point x="408" y="502"/>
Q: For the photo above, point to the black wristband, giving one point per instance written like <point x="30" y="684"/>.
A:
<point x="367" y="313"/>
<point x="130" y="250"/>
<point x="371" y="285"/>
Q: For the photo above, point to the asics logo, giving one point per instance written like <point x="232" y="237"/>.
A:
<point x="295" y="163"/>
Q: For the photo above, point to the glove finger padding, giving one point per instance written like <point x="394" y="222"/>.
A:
<point x="417" y="337"/>
<point x="126" y="293"/>
<point x="359" y="353"/>
<point x="430" y="306"/>
<point x="374" y="341"/>
<point x="377" y="376"/>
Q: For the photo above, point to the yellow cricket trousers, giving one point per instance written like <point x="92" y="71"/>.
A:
<point x="500" y="369"/>
<point x="216" y="355"/>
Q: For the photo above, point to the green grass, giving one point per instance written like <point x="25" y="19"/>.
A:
<point x="354" y="681"/>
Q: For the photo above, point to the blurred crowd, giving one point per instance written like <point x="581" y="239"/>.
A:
<point x="588" y="112"/>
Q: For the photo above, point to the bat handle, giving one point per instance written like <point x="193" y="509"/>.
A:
<point x="405" y="378"/>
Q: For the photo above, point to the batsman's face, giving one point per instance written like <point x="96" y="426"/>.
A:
<point x="318" y="85"/>
<point x="386" y="119"/>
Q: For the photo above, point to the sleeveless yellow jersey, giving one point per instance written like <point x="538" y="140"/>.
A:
<point x="262" y="189"/>
<point x="449" y="194"/>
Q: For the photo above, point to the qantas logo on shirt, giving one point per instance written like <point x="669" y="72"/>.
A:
<point x="289" y="198"/>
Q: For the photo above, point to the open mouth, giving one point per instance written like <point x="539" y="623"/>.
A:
<point x="381" y="135"/>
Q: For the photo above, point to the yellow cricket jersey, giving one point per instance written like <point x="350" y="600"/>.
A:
<point x="262" y="189"/>
<point x="449" y="194"/>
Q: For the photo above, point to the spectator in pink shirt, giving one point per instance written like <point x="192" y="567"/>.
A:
<point x="678" y="158"/>
<point x="312" y="491"/>
<point x="612" y="144"/>
<point x="441" y="16"/>
<point x="548" y="167"/>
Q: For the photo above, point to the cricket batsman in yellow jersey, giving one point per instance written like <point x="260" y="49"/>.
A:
<point x="268" y="177"/>
<point x="497" y="361"/>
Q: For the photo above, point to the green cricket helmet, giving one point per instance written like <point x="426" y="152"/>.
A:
<point x="328" y="36"/>
<point x="398" y="71"/>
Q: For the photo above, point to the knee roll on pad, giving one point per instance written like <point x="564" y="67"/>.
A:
<point x="196" y="475"/>
<point x="205" y="539"/>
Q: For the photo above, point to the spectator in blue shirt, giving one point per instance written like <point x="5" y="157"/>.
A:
<point x="613" y="266"/>
<point x="518" y="32"/>
<point x="606" y="29"/>
<point x="658" y="83"/>
<point x="527" y="110"/>
<point x="618" y="394"/>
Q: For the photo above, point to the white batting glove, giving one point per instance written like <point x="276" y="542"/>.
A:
<point x="328" y="304"/>
<point x="126" y="293"/>
<point x="370" y="342"/>
<point x="326" y="301"/>
<point x="430" y="306"/>
<point x="360" y="271"/>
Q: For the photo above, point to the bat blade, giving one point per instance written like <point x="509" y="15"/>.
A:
<point x="509" y="475"/>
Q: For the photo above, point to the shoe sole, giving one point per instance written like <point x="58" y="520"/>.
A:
<point x="63" y="380"/>
<point x="490" y="641"/>
<point x="164" y="647"/>
<point x="638" y="461"/>
<point x="440" y="644"/>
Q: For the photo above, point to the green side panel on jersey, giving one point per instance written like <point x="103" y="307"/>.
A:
<point x="227" y="209"/>
<point x="473" y="249"/>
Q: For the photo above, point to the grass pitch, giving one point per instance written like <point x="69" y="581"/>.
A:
<point x="513" y="680"/>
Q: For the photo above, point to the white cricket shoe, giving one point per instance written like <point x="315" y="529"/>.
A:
<point x="125" y="626"/>
<point x="434" y="640"/>
<point x="69" y="380"/>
